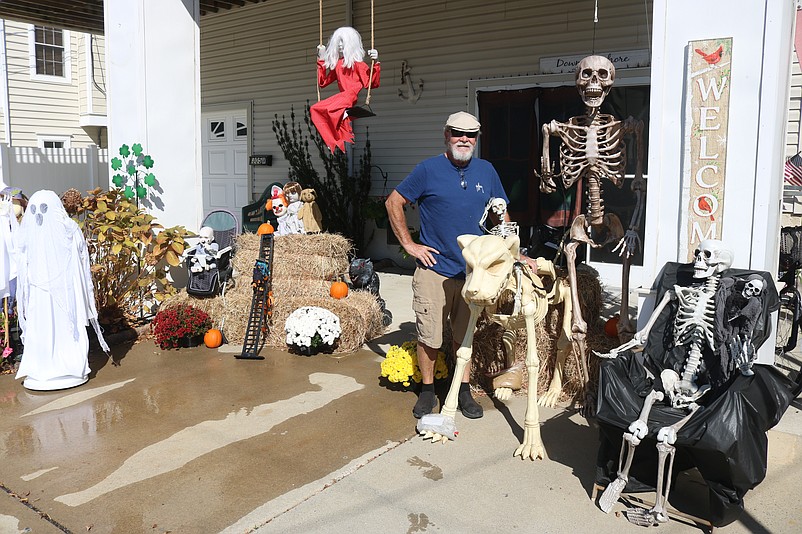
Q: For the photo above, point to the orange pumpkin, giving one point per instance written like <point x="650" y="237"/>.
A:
<point x="339" y="290"/>
<point x="264" y="228"/>
<point x="611" y="326"/>
<point x="213" y="338"/>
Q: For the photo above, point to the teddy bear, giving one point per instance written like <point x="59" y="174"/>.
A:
<point x="309" y="213"/>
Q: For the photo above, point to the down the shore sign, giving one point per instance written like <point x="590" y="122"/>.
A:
<point x="708" y="101"/>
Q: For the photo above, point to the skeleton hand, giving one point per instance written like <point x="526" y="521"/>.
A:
<point x="546" y="178"/>
<point x="321" y="51"/>
<point x="628" y="245"/>
<point x="743" y="356"/>
<point x="636" y="344"/>
<point x="373" y="54"/>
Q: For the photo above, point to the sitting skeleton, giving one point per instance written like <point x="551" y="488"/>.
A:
<point x="204" y="255"/>
<point x="743" y="310"/>
<point x="492" y="270"/>
<point x="498" y="207"/>
<point x="694" y="329"/>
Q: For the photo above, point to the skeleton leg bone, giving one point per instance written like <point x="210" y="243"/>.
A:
<point x="666" y="437"/>
<point x="562" y="293"/>
<point x="637" y="431"/>
<point x="579" y="327"/>
<point x="450" y="406"/>
<point x="532" y="446"/>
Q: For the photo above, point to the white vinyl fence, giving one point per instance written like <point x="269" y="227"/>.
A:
<point x="56" y="169"/>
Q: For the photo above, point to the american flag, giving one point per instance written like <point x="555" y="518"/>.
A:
<point x="793" y="170"/>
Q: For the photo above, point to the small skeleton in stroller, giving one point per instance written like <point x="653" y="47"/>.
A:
<point x="204" y="253"/>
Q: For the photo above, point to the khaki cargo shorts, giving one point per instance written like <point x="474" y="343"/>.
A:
<point x="435" y="300"/>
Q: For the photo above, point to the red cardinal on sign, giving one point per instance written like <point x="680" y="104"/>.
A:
<point x="705" y="206"/>
<point x="713" y="58"/>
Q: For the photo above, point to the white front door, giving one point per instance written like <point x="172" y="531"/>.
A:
<point x="225" y="161"/>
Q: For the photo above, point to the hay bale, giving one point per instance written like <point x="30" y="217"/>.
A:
<point x="303" y="266"/>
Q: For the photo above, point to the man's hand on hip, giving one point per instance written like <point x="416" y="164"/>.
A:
<point x="423" y="253"/>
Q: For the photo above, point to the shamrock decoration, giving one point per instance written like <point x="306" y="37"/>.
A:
<point x="133" y="163"/>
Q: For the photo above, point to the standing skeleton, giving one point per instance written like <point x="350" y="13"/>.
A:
<point x="593" y="149"/>
<point x="694" y="329"/>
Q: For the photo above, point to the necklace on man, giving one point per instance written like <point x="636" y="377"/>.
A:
<point x="463" y="184"/>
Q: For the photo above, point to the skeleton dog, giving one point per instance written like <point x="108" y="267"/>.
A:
<point x="491" y="270"/>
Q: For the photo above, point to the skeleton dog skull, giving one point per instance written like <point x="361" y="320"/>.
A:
<point x="594" y="79"/>
<point x="712" y="257"/>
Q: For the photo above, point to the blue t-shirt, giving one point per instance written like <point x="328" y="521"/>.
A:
<point x="446" y="209"/>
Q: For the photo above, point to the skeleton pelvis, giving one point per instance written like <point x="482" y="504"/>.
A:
<point x="608" y="230"/>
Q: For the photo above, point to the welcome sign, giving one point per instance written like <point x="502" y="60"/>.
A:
<point x="708" y="75"/>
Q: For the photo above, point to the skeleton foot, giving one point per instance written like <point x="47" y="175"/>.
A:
<point x="532" y="446"/>
<point x="503" y="394"/>
<point x="613" y="490"/>
<point x="437" y="427"/>
<point x="435" y="437"/>
<point x="549" y="399"/>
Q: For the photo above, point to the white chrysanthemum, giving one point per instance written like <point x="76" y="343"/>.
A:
<point x="302" y="325"/>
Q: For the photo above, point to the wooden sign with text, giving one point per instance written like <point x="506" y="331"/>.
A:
<point x="706" y="121"/>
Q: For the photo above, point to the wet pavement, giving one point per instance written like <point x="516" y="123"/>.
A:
<point x="197" y="441"/>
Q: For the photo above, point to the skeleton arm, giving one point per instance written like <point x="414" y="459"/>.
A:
<point x="630" y="243"/>
<point x="547" y="184"/>
<point x="638" y="341"/>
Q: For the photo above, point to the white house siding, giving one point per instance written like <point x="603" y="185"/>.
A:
<point x="266" y="53"/>
<point x="37" y="106"/>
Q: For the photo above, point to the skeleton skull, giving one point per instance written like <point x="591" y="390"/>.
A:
<point x="594" y="79"/>
<point x="498" y="206"/>
<point x="710" y="258"/>
<point x="754" y="287"/>
<point x="206" y="235"/>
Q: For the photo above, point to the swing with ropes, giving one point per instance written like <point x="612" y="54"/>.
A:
<point x="356" y="112"/>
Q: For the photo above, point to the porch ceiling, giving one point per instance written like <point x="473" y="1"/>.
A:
<point x="84" y="15"/>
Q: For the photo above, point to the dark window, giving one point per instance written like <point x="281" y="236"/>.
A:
<point x="49" y="50"/>
<point x="512" y="141"/>
<point x="52" y="144"/>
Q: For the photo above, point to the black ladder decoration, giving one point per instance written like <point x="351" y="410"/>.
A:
<point x="261" y="303"/>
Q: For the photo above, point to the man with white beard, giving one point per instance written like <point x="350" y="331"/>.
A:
<point x="451" y="190"/>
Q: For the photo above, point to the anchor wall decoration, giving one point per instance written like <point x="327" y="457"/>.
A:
<point x="411" y="95"/>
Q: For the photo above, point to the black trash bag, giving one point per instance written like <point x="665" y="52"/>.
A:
<point x="725" y="439"/>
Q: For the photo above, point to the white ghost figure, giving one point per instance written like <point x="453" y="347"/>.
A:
<point x="55" y="297"/>
<point x="8" y="264"/>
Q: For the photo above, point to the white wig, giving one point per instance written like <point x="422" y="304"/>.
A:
<point x="352" y="49"/>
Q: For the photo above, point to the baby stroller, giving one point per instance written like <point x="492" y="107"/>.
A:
<point x="210" y="282"/>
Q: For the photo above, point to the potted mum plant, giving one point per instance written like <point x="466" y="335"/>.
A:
<point x="311" y="329"/>
<point x="400" y="365"/>
<point x="182" y="325"/>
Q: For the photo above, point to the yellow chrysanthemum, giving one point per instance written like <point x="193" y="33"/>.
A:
<point x="400" y="365"/>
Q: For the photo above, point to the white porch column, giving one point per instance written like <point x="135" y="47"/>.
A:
<point x="153" y="59"/>
<point x="762" y="42"/>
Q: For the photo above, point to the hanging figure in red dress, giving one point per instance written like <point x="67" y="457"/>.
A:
<point x="342" y="61"/>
